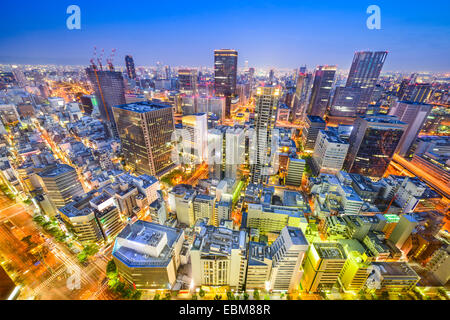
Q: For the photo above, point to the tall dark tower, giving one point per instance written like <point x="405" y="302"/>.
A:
<point x="364" y="73"/>
<point x="131" y="71"/>
<point x="109" y="91"/>
<point x="321" y="90"/>
<point x="145" y="130"/>
<point x="373" y="142"/>
<point x="225" y="75"/>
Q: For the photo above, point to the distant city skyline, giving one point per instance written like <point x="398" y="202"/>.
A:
<point x="186" y="34"/>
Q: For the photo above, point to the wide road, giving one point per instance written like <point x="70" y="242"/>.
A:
<point x="423" y="174"/>
<point x="45" y="267"/>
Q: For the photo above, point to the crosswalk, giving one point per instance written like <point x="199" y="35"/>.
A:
<point x="49" y="280"/>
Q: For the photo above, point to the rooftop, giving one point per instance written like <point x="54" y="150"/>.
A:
<point x="143" y="106"/>
<point x="396" y="269"/>
<point x="330" y="250"/>
<point x="55" y="171"/>
<point x="316" y="119"/>
<point x="143" y="234"/>
<point x="257" y="252"/>
<point x="219" y="241"/>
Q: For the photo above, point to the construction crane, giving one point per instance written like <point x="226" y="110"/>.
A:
<point x="111" y="59"/>
<point x="94" y="57"/>
<point x="100" y="59"/>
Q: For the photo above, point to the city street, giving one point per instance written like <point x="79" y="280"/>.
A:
<point x="45" y="273"/>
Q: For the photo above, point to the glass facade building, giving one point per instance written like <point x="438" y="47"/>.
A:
<point x="364" y="72"/>
<point x="372" y="144"/>
<point x="321" y="90"/>
<point x="145" y="130"/>
<point x="225" y="75"/>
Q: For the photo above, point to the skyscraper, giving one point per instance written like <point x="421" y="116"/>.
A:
<point x="265" y="115"/>
<point x="302" y="95"/>
<point x="311" y="130"/>
<point x="145" y="130"/>
<point x="187" y="79"/>
<point x="321" y="90"/>
<point x="415" y="115"/>
<point x="131" y="71"/>
<point x="345" y="103"/>
<point x="364" y="72"/>
<point x="109" y="90"/>
<point x="373" y="142"/>
<point x="225" y="74"/>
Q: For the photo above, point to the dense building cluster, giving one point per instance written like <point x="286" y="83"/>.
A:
<point x="312" y="181"/>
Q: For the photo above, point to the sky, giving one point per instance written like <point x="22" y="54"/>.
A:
<point x="278" y="34"/>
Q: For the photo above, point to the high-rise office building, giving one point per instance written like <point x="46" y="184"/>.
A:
<point x="216" y="152"/>
<point x="415" y="115"/>
<point x="355" y="271"/>
<point x="396" y="276"/>
<point x="219" y="257"/>
<point x="61" y="184"/>
<point x="204" y="206"/>
<point x="323" y="265"/>
<point x="288" y="252"/>
<point x="212" y="106"/>
<point x="296" y="169"/>
<point x="259" y="266"/>
<point x="403" y="230"/>
<point x="345" y="102"/>
<point x="373" y="142"/>
<point x="181" y="199"/>
<point x="109" y="89"/>
<point x="131" y="71"/>
<point x="364" y="72"/>
<point x="329" y="153"/>
<point x="311" y="130"/>
<point x="222" y="211"/>
<point x="197" y="126"/>
<point x="93" y="217"/>
<point x="187" y="80"/>
<point x="439" y="265"/>
<point x="145" y="130"/>
<point x="321" y="90"/>
<point x="265" y="117"/>
<point x="234" y="152"/>
<point x="301" y="96"/>
<point x="225" y="75"/>
<point x="416" y="92"/>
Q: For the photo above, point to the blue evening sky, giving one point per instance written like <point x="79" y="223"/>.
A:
<point x="283" y="33"/>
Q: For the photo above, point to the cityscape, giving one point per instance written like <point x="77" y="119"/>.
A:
<point x="226" y="181"/>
